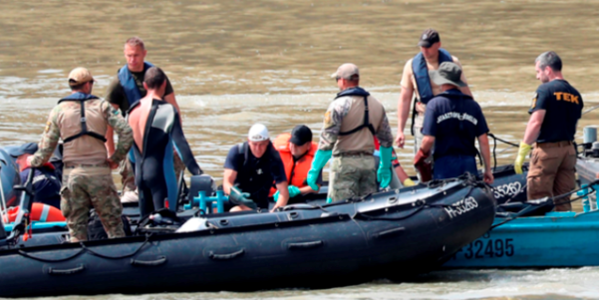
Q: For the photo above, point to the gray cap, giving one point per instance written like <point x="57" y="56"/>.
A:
<point x="448" y="73"/>
<point x="346" y="71"/>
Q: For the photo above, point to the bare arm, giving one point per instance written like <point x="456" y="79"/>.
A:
<point x="427" y="143"/>
<point x="483" y="142"/>
<point x="403" y="111"/>
<point x="308" y="190"/>
<point x="534" y="126"/>
<point x="228" y="180"/>
<point x="283" y="195"/>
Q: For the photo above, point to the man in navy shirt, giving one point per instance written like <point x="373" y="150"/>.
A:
<point x="253" y="166"/>
<point x="452" y="121"/>
<point x="554" y="114"/>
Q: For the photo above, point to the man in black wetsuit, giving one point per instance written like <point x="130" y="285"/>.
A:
<point x="157" y="132"/>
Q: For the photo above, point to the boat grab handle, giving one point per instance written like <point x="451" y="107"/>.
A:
<point x="305" y="245"/>
<point x="215" y="256"/>
<point x="148" y="263"/>
<point x="53" y="271"/>
<point x="388" y="232"/>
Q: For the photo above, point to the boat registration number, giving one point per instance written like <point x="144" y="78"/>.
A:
<point x="488" y="248"/>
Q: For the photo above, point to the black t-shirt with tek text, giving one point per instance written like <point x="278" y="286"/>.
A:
<point x="563" y="107"/>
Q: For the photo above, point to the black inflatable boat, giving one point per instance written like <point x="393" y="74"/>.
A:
<point x="389" y="234"/>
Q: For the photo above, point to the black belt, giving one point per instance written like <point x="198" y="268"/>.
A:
<point x="554" y="144"/>
<point x="354" y="153"/>
<point x="73" y="166"/>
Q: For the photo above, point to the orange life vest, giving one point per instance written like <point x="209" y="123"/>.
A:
<point x="296" y="172"/>
<point x="39" y="212"/>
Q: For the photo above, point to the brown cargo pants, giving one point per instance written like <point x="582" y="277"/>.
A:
<point x="552" y="172"/>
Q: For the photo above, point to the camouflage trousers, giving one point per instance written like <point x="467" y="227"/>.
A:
<point x="352" y="176"/>
<point x="87" y="187"/>
<point x="128" y="175"/>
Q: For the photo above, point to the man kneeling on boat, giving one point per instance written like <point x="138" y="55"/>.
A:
<point x="252" y="167"/>
<point x="452" y="121"/>
<point x="297" y="152"/>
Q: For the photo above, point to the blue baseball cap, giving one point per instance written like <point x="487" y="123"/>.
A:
<point x="16" y="151"/>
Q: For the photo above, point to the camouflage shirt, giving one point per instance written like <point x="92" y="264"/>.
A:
<point x="346" y="113"/>
<point x="55" y="130"/>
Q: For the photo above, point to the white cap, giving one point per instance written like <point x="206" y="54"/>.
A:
<point x="258" y="133"/>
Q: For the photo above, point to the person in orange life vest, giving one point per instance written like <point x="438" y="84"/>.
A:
<point x="297" y="152"/>
<point x="399" y="171"/>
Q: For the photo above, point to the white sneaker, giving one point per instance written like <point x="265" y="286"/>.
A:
<point x="129" y="197"/>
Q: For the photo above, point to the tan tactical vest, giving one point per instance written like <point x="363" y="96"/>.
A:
<point x="84" y="149"/>
<point x="362" y="140"/>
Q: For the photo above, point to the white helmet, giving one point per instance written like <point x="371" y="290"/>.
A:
<point x="258" y="133"/>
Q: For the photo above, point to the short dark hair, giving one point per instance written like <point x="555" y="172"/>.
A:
<point x="77" y="87"/>
<point x="154" y="77"/>
<point x="354" y="79"/>
<point x="135" y="41"/>
<point x="549" y="59"/>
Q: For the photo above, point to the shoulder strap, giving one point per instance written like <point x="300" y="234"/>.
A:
<point x="128" y="83"/>
<point x="84" y="130"/>
<point x="421" y="77"/>
<point x="81" y="98"/>
<point x="242" y="148"/>
<point x="365" y="124"/>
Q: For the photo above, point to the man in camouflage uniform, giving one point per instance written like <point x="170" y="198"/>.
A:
<point x="350" y="124"/>
<point x="81" y="120"/>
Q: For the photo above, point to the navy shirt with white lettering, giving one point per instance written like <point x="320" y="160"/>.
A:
<point x="563" y="107"/>
<point x="256" y="175"/>
<point x="455" y="120"/>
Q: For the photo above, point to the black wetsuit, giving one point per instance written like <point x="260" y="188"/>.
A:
<point x="154" y="169"/>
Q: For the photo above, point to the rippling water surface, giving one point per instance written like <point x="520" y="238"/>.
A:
<point x="233" y="63"/>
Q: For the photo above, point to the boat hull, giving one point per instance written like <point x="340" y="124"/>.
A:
<point x="558" y="239"/>
<point x="389" y="234"/>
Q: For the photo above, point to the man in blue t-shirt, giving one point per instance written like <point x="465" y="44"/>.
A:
<point x="253" y="166"/>
<point x="554" y="114"/>
<point x="452" y="121"/>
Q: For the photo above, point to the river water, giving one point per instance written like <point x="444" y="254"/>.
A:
<point x="233" y="63"/>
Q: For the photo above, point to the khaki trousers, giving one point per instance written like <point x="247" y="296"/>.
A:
<point x="552" y="172"/>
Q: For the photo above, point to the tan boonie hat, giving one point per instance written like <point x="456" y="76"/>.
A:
<point x="346" y="71"/>
<point x="79" y="76"/>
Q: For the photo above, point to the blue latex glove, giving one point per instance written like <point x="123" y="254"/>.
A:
<point x="384" y="172"/>
<point x="293" y="191"/>
<point x="320" y="159"/>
